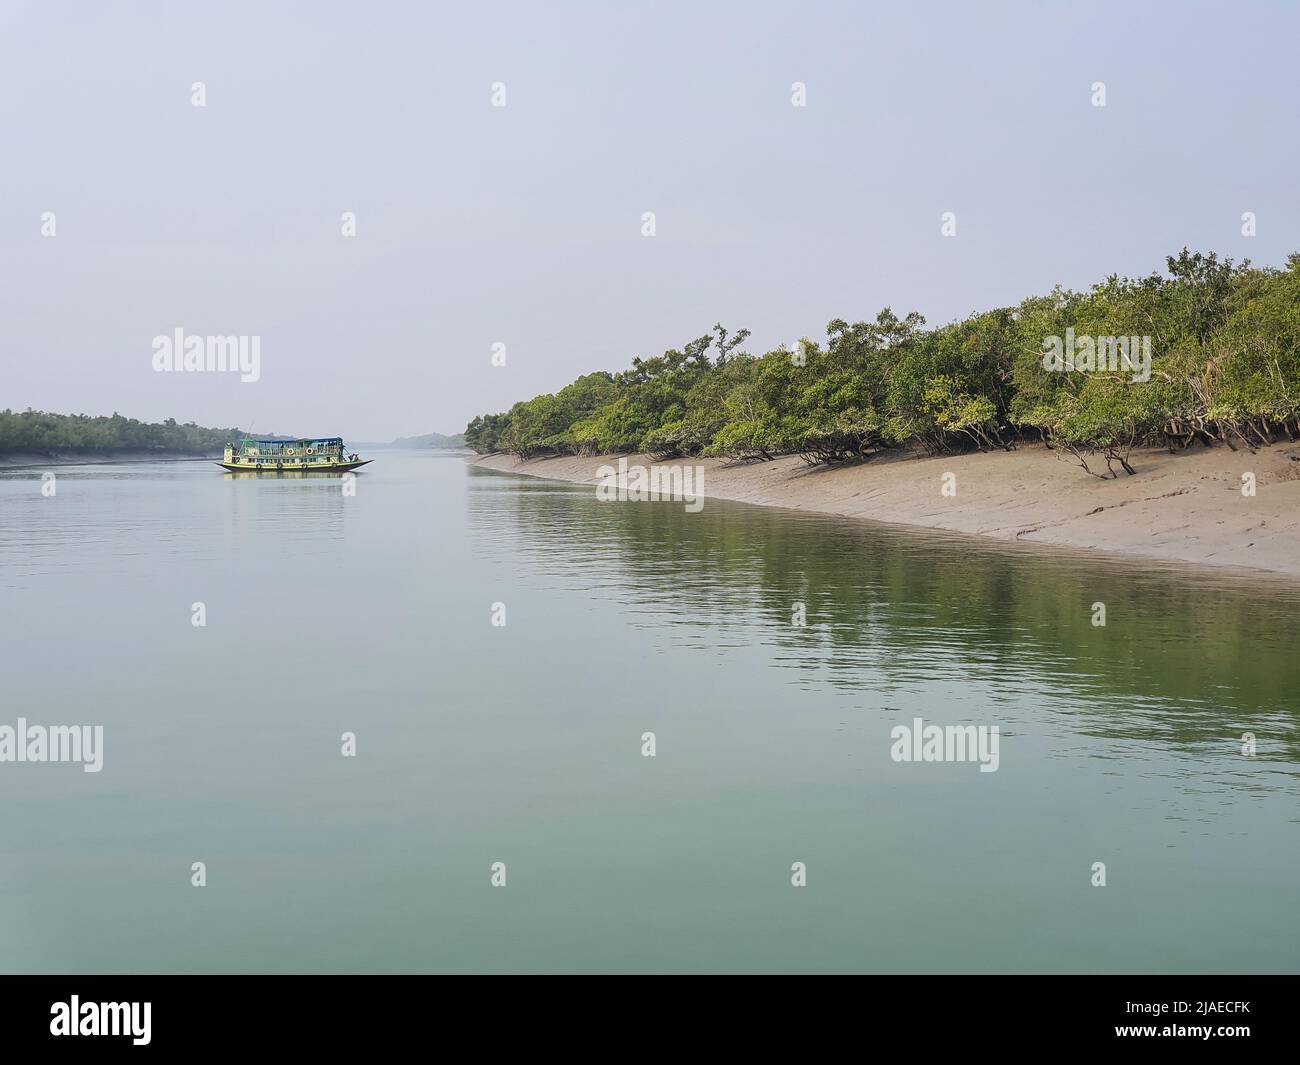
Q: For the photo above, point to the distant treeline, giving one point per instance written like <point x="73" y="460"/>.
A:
<point x="39" y="432"/>
<point x="1224" y="350"/>
<point x="430" y="440"/>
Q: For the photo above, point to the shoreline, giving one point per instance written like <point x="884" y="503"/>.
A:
<point x="26" y="459"/>
<point x="1185" y="507"/>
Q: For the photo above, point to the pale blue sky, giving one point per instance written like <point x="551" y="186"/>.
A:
<point x="522" y="225"/>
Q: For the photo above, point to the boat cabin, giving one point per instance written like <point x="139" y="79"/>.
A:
<point x="282" y="453"/>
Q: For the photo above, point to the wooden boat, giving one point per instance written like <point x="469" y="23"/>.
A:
<point x="321" y="454"/>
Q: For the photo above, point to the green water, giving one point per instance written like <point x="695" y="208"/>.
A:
<point x="522" y="744"/>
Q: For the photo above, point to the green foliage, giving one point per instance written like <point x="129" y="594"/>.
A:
<point x="41" y="433"/>
<point x="484" y="433"/>
<point x="1224" y="366"/>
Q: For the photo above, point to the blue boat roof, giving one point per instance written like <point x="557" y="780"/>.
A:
<point x="293" y="439"/>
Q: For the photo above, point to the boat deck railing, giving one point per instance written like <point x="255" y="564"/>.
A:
<point x="290" y="460"/>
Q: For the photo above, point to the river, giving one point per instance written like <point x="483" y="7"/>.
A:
<point x="519" y="751"/>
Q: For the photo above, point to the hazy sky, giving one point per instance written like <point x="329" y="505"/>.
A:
<point x="522" y="225"/>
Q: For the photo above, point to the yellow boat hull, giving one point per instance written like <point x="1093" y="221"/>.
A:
<point x="295" y="467"/>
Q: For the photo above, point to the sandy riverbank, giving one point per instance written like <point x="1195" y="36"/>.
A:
<point x="1185" y="507"/>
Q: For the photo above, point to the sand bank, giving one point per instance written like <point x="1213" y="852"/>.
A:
<point x="1186" y="507"/>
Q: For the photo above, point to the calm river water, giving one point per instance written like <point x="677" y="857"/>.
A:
<point x="522" y="744"/>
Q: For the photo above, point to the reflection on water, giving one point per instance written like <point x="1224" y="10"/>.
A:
<point x="1187" y="658"/>
<point x="254" y="475"/>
